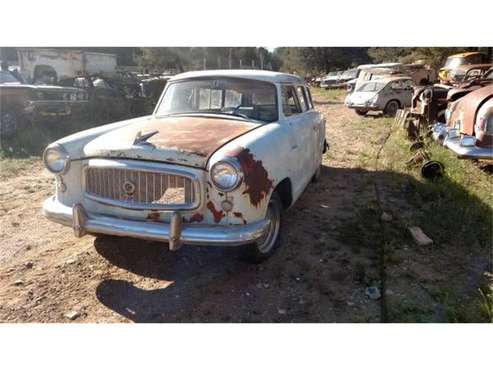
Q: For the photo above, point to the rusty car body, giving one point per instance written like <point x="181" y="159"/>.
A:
<point x="468" y="130"/>
<point x="222" y="154"/>
<point x="455" y="64"/>
<point x="23" y="104"/>
<point x="430" y="103"/>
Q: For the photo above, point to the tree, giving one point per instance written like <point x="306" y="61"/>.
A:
<point x="434" y="56"/>
<point x="317" y="60"/>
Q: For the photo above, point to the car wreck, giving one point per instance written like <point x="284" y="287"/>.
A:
<point x="222" y="155"/>
<point x="24" y="104"/>
<point x="456" y="66"/>
<point x="468" y="130"/>
<point x="387" y="94"/>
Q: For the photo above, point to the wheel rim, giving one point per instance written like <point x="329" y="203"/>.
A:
<point x="267" y="241"/>
<point x="392" y="109"/>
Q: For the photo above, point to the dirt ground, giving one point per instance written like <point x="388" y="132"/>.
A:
<point x="318" y="275"/>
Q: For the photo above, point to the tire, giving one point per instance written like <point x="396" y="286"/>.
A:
<point x="391" y="108"/>
<point x="266" y="246"/>
<point x="316" y="175"/>
<point x="8" y="124"/>
<point x="361" y="112"/>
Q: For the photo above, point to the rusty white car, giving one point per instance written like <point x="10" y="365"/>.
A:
<point x="220" y="158"/>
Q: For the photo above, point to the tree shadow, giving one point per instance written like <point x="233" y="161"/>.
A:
<point x="318" y="268"/>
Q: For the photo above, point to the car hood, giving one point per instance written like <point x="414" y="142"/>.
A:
<point x="185" y="140"/>
<point x="361" y="97"/>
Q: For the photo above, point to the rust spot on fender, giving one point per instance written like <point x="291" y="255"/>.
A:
<point x="256" y="178"/>
<point x="218" y="215"/>
<point x="240" y="215"/>
<point x="196" y="217"/>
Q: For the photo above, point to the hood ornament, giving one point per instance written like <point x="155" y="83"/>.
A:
<point x="142" y="138"/>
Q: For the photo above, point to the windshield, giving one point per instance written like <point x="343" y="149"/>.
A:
<point x="6" y="77"/>
<point x="350" y="74"/>
<point x="372" y="87"/>
<point x="453" y="62"/>
<point x="250" y="99"/>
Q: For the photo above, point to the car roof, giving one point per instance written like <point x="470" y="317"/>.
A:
<point x="387" y="79"/>
<point x="381" y="65"/>
<point x="465" y="54"/>
<point x="253" y="74"/>
<point x="467" y="67"/>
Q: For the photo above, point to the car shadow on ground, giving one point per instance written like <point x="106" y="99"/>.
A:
<point x="315" y="274"/>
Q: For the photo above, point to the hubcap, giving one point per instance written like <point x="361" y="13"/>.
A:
<point x="267" y="241"/>
<point x="393" y="108"/>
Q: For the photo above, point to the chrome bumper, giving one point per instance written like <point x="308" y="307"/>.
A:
<point x="439" y="132"/>
<point x="467" y="152"/>
<point x="174" y="233"/>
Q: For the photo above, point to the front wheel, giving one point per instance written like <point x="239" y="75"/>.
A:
<point x="360" y="112"/>
<point x="265" y="247"/>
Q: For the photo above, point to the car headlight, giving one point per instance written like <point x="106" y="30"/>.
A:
<point x="56" y="159"/>
<point x="468" y="140"/>
<point x="226" y="175"/>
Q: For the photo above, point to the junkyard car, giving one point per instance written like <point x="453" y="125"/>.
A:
<point x="455" y="63"/>
<point x="330" y="80"/>
<point x="24" y="104"/>
<point x="220" y="157"/>
<point x="387" y="94"/>
<point x="469" y="128"/>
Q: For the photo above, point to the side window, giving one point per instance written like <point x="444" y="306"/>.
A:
<point x="290" y="104"/>
<point x="302" y="98"/>
<point x="396" y="85"/>
<point x="309" y="97"/>
<point x="407" y="84"/>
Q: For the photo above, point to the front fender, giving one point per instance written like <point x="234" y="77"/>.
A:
<point x="261" y="154"/>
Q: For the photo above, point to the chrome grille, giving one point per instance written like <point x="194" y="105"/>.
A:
<point x="139" y="188"/>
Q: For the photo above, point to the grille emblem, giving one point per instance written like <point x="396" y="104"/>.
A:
<point x="128" y="188"/>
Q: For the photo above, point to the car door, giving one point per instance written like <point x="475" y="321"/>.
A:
<point x="313" y="119"/>
<point x="300" y="139"/>
<point x="403" y="91"/>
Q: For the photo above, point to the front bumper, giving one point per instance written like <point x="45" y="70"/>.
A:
<point x="440" y="133"/>
<point x="174" y="233"/>
<point x="468" y="152"/>
<point x="56" y="108"/>
<point x="362" y="106"/>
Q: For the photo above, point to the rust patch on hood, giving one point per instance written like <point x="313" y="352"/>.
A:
<point x="198" y="135"/>
<point x="468" y="106"/>
<point x="256" y="178"/>
<point x="218" y="215"/>
<point x="187" y="140"/>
